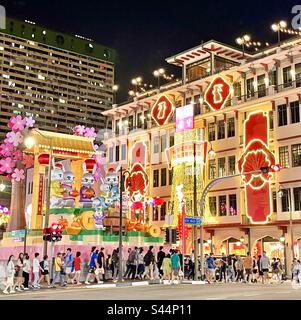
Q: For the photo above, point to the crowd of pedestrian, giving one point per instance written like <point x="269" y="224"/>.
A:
<point x="234" y="268"/>
<point x="68" y="268"/>
<point x="169" y="267"/>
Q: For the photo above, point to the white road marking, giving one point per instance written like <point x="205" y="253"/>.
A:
<point x="252" y="294"/>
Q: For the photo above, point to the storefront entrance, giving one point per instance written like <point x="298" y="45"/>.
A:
<point x="233" y="246"/>
<point x="272" y="246"/>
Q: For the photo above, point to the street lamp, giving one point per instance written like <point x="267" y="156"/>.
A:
<point x="277" y="27"/>
<point x="242" y="41"/>
<point x="115" y="89"/>
<point x="211" y="152"/>
<point x="121" y="188"/>
<point x="137" y="82"/>
<point x="29" y="143"/>
<point x="158" y="73"/>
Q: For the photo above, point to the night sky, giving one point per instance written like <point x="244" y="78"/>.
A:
<point x="146" y="32"/>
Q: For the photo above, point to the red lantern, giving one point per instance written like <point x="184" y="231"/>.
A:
<point x="43" y="159"/>
<point x="90" y="163"/>
<point x="158" y="202"/>
<point x="137" y="205"/>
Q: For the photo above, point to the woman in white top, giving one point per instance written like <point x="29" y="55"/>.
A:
<point x="19" y="273"/>
<point x="10" y="276"/>
<point x="26" y="270"/>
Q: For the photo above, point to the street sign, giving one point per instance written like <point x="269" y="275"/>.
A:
<point x="193" y="220"/>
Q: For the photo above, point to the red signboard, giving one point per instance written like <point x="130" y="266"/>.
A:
<point x="41" y="193"/>
<point x="256" y="155"/>
<point x="162" y="110"/>
<point x="217" y="93"/>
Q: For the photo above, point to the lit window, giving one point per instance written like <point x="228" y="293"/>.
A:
<point x="1" y="48"/>
<point x="27" y="68"/>
<point x="41" y="77"/>
<point x="6" y="76"/>
<point x="62" y="100"/>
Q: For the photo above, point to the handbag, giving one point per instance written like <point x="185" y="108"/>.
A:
<point x="17" y="270"/>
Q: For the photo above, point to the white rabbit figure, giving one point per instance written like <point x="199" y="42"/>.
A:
<point x="67" y="185"/>
<point x="87" y="193"/>
<point x="56" y="191"/>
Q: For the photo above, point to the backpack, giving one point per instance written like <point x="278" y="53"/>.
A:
<point x="148" y="258"/>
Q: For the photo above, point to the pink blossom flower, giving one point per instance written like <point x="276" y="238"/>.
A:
<point x="79" y="130"/>
<point x="17" y="123"/>
<point x="27" y="160"/>
<point x="18" y="174"/>
<point x="7" y="165"/>
<point x="6" y="149"/>
<point x="29" y="122"/>
<point x="18" y="155"/>
<point x="15" y="138"/>
<point x="90" y="133"/>
<point x="100" y="160"/>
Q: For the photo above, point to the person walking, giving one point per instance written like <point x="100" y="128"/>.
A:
<point x="140" y="261"/>
<point x="281" y="269"/>
<point x="101" y="264"/>
<point x="167" y="268"/>
<point x="230" y="269"/>
<point x="58" y="265"/>
<point x="254" y="270"/>
<point x="223" y="268"/>
<point x="295" y="269"/>
<point x="160" y="257"/>
<point x="210" y="267"/>
<point x="69" y="265"/>
<point x="44" y="264"/>
<point x="149" y="260"/>
<point x="26" y="271"/>
<point x="77" y="268"/>
<point x="10" y="273"/>
<point x="132" y="264"/>
<point x="239" y="269"/>
<point x="115" y="262"/>
<point x="36" y="269"/>
<point x="260" y="272"/>
<point x="93" y="265"/>
<point x="176" y="266"/>
<point x="19" y="273"/>
<point x="128" y="265"/>
<point x="265" y="265"/>
<point x="248" y="265"/>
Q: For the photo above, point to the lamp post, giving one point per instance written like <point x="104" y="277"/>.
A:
<point x="282" y="240"/>
<point x="242" y="41"/>
<point x="158" y="73"/>
<point x="29" y="143"/>
<point x="136" y="82"/>
<point x="121" y="187"/>
<point x="281" y="194"/>
<point x="276" y="27"/>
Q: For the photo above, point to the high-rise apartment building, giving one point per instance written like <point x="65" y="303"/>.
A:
<point x="59" y="79"/>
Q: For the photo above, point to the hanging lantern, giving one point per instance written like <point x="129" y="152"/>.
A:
<point x="137" y="205"/>
<point x="158" y="202"/>
<point x="43" y="159"/>
<point x="90" y="163"/>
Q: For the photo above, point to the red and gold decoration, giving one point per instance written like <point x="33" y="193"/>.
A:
<point x="257" y="155"/>
<point x="162" y="110"/>
<point x="217" y="93"/>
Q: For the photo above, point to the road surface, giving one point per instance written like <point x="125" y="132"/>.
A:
<point x="218" y="291"/>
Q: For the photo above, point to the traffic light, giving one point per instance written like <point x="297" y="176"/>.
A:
<point x="56" y="232"/>
<point x="47" y="235"/>
<point x="272" y="168"/>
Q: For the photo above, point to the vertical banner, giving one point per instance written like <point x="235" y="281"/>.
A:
<point x="256" y="155"/>
<point x="41" y="193"/>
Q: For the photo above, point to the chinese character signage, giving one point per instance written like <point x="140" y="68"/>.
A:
<point x="217" y="93"/>
<point x="256" y="155"/>
<point x="184" y="118"/>
<point x="40" y="197"/>
<point x="162" y="110"/>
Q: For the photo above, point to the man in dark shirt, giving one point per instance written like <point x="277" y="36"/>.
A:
<point x="160" y="257"/>
<point x="101" y="263"/>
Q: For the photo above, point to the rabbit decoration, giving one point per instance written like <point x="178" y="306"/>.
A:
<point x="68" y="193"/>
<point x="100" y="207"/>
<point x="87" y="193"/>
<point x="56" y="197"/>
